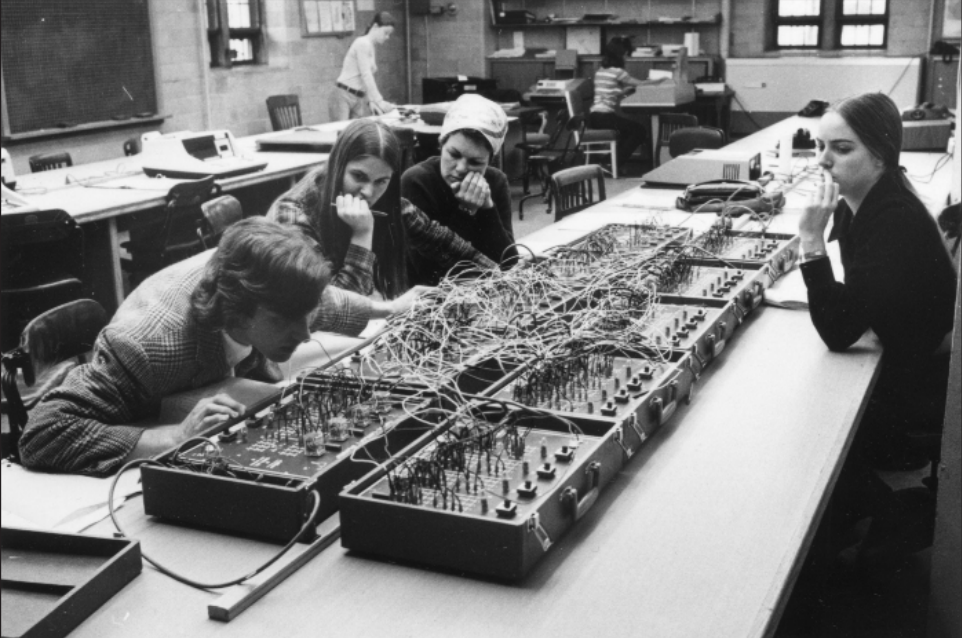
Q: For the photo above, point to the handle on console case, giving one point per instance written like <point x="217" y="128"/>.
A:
<point x="569" y="497"/>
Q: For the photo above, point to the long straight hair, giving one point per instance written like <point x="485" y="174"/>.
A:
<point x="316" y="192"/>
<point x="876" y="120"/>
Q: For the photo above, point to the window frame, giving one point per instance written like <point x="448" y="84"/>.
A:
<point x="842" y="20"/>
<point x="800" y="21"/>
<point x="829" y="22"/>
<point x="219" y="34"/>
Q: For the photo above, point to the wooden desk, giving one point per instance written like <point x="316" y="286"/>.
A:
<point x="702" y="534"/>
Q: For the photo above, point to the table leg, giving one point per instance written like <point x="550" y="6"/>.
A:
<point x="103" y="279"/>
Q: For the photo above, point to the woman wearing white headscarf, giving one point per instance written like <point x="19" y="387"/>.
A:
<point x="460" y="190"/>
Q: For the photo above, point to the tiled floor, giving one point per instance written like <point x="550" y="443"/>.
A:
<point x="886" y="602"/>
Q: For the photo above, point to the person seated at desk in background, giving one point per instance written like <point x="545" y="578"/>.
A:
<point x="899" y="282"/>
<point x="612" y="83"/>
<point x="236" y="310"/>
<point x="461" y="191"/>
<point x="356" y="93"/>
<point x="332" y="205"/>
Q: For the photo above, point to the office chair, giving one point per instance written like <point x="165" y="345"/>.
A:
<point x="41" y="266"/>
<point x="157" y="241"/>
<point x="592" y="141"/>
<point x="218" y="214"/>
<point x="51" y="345"/>
<point x="49" y="161"/>
<point x="132" y="146"/>
<point x="285" y="111"/>
<point x="668" y="123"/>
<point x="574" y="189"/>
<point x="684" y="140"/>
<point x="541" y="161"/>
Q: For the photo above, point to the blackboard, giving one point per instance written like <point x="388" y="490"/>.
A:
<point x="72" y="62"/>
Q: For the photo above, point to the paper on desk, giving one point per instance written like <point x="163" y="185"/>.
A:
<point x="63" y="502"/>
<point x="788" y="292"/>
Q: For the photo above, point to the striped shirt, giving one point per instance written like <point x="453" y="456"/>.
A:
<point x="609" y="89"/>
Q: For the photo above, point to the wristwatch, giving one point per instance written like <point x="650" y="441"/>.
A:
<point x="812" y="255"/>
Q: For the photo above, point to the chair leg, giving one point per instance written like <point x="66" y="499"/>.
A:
<point x="614" y="159"/>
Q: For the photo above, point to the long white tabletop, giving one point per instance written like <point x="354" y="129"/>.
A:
<point x="702" y="534"/>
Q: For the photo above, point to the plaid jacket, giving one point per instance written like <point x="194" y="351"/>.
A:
<point x="151" y="349"/>
<point x="426" y="236"/>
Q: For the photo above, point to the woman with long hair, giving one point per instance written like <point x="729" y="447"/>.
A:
<point x="898" y="281"/>
<point x="352" y="208"/>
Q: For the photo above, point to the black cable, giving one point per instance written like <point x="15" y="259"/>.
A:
<point x="188" y="581"/>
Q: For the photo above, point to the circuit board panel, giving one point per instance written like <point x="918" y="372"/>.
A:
<point x="498" y="473"/>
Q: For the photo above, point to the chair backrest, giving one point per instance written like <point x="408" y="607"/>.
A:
<point x="58" y="335"/>
<point x="668" y="123"/>
<point x="575" y="189"/>
<point x="684" y="140"/>
<point x="49" y="161"/>
<point x="132" y="146"/>
<point x="285" y="111"/>
<point x="219" y="214"/>
<point x="408" y="141"/>
<point x="41" y="266"/>
<point x="157" y="241"/>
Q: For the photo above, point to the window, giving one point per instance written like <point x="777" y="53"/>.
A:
<point x="862" y="23"/>
<point x="798" y="23"/>
<point x="234" y="32"/>
<point x="829" y="24"/>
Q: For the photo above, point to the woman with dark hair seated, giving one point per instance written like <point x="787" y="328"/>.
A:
<point x="898" y="282"/>
<point x="333" y="206"/>
<point x="461" y="191"/>
<point x="612" y="84"/>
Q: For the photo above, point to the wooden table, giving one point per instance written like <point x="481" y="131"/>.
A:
<point x="702" y="534"/>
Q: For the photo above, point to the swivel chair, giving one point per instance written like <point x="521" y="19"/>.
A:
<point x="51" y="345"/>
<point x="668" y="123"/>
<point x="543" y="160"/>
<point x="41" y="266"/>
<point x="157" y="241"/>
<point x="218" y="214"/>
<point x="688" y="139"/>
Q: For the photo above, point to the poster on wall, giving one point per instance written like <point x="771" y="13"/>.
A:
<point x="952" y="24"/>
<point x="327" y="17"/>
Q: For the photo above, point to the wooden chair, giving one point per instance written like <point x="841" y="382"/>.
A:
<point x="688" y="139"/>
<point x="541" y="161"/>
<point x="219" y="213"/>
<point x="668" y="123"/>
<point x="157" y="241"/>
<point x="575" y="189"/>
<point x="49" y="161"/>
<point x="41" y="266"/>
<point x="50" y="346"/>
<point x="285" y="111"/>
<point x="592" y="141"/>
